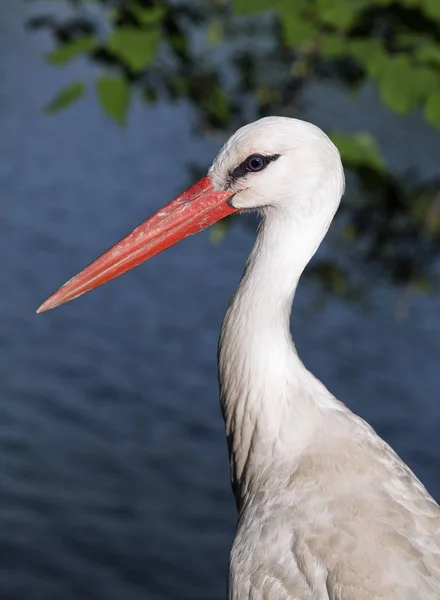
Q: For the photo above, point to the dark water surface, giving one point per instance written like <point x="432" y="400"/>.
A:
<point x="114" y="476"/>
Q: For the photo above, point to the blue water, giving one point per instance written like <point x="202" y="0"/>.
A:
<point x="114" y="476"/>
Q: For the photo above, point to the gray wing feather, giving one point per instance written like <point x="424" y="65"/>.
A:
<point x="351" y="523"/>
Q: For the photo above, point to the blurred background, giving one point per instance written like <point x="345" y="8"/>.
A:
<point x="114" y="473"/>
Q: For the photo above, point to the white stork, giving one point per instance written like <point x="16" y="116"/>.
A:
<point x="327" y="510"/>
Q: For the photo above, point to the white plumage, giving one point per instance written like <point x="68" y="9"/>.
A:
<point x="327" y="510"/>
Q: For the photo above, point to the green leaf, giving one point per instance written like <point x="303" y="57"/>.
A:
<point x="136" y="47"/>
<point x="360" y="149"/>
<point x="114" y="97"/>
<point x="432" y="8"/>
<point x="403" y="85"/>
<point x="341" y="14"/>
<point x="147" y="16"/>
<point x="429" y="53"/>
<point x="297" y="31"/>
<point x="426" y="80"/>
<point x="370" y="53"/>
<point x="70" y="50"/>
<point x="333" y="46"/>
<point x="66" y="97"/>
<point x="432" y="109"/>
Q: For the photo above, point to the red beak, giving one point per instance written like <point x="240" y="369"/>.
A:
<point x="197" y="208"/>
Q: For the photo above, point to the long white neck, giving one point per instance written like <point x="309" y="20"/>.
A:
<point x="268" y="397"/>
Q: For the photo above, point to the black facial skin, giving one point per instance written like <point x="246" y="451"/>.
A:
<point x="251" y="164"/>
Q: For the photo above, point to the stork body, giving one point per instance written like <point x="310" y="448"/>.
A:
<point x="327" y="510"/>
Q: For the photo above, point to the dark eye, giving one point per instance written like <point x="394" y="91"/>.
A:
<point x="251" y="164"/>
<point x="256" y="162"/>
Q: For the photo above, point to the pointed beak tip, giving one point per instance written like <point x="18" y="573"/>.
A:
<point x="45" y="306"/>
<point x="41" y="308"/>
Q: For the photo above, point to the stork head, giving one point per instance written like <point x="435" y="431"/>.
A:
<point x="280" y="162"/>
<point x="276" y="162"/>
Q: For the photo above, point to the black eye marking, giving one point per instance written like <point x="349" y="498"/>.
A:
<point x="251" y="164"/>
